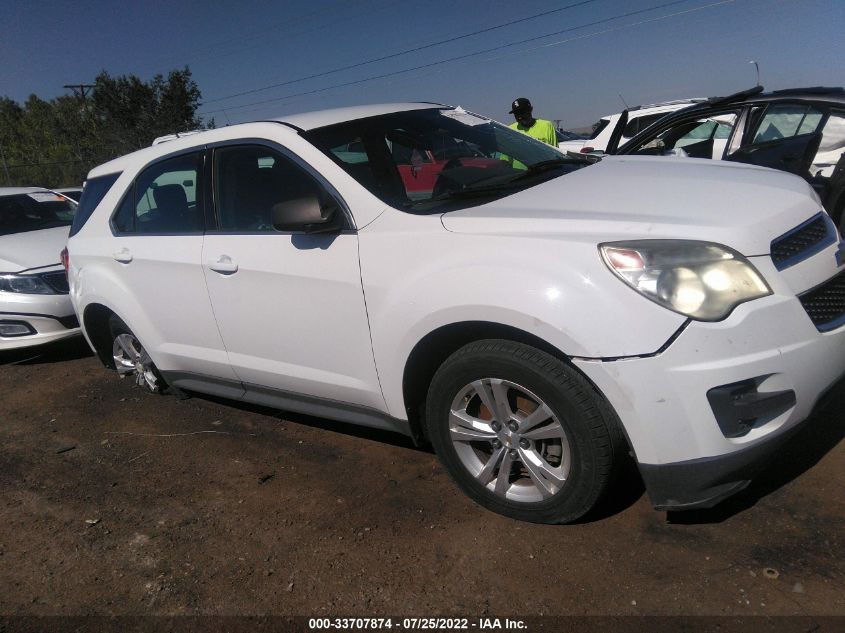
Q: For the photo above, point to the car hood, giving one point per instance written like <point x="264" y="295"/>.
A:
<point x="639" y="197"/>
<point x="33" y="249"/>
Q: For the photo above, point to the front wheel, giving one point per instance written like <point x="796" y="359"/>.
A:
<point x="521" y="432"/>
<point x="131" y="359"/>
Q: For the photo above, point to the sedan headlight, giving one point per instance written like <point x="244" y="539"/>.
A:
<point x="701" y="280"/>
<point x="25" y="284"/>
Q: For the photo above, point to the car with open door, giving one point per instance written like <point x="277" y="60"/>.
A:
<point x="800" y="131"/>
<point x="615" y="129"/>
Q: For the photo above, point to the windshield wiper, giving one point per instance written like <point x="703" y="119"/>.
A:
<point x="533" y="170"/>
<point x="547" y="165"/>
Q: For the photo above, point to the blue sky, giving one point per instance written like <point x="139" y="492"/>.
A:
<point x="579" y="61"/>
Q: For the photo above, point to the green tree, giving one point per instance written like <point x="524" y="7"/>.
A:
<point x="55" y="143"/>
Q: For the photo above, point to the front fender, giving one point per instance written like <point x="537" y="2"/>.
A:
<point x="557" y="290"/>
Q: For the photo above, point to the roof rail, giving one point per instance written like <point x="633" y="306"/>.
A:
<point x="816" y="90"/>
<point x="668" y="103"/>
<point x="737" y="96"/>
<point x="174" y="136"/>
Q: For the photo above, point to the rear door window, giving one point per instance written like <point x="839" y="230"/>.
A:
<point x="164" y="199"/>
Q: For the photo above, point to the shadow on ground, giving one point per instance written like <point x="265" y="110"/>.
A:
<point x="58" y="352"/>
<point x="625" y="491"/>
<point x="353" y="430"/>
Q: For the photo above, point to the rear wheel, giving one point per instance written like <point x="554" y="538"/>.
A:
<point x="521" y="432"/>
<point x="131" y="359"/>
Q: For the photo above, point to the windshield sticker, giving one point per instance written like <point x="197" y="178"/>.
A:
<point x="44" y="196"/>
<point x="459" y="114"/>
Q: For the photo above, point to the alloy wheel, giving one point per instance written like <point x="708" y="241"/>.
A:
<point x="131" y="359"/>
<point x="509" y="440"/>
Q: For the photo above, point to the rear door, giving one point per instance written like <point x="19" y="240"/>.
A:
<point x="155" y="251"/>
<point x="290" y="305"/>
<point x="787" y="138"/>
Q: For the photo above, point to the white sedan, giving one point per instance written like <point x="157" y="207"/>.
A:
<point x="34" y="303"/>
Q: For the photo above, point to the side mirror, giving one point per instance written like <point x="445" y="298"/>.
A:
<point x="307" y="215"/>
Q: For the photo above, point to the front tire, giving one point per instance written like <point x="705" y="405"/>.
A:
<point x="522" y="433"/>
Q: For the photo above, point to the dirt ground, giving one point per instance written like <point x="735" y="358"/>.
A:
<point x="115" y="501"/>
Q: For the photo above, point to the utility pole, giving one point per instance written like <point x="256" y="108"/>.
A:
<point x="82" y="88"/>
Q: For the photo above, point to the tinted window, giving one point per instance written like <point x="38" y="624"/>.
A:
<point x="253" y="182"/>
<point x="704" y="137"/>
<point x="786" y="120"/>
<point x="598" y="127"/>
<point x="637" y="125"/>
<point x="93" y="193"/>
<point x="34" y="211"/>
<point x="164" y="199"/>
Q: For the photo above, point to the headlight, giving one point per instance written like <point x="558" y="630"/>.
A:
<point x="25" y="284"/>
<point x="701" y="280"/>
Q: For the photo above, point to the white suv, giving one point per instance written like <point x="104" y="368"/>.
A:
<point x="626" y="125"/>
<point x="532" y="316"/>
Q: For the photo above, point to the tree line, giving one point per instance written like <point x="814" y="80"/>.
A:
<point x="55" y="143"/>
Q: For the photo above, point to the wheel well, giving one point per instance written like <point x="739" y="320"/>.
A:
<point x="434" y="348"/>
<point x="96" y="322"/>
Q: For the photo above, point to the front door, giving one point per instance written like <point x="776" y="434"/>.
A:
<point x="290" y="305"/>
<point x="786" y="138"/>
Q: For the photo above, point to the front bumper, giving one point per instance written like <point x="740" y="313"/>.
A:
<point x="687" y="458"/>
<point x="49" y="318"/>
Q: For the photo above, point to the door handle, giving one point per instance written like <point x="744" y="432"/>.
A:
<point x="224" y="265"/>
<point x="123" y="256"/>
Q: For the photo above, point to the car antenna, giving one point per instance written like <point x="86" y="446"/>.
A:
<point x="757" y="66"/>
<point x="625" y="103"/>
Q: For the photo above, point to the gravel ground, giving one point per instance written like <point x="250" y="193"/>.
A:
<point x="115" y="501"/>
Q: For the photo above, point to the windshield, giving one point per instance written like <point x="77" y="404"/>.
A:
<point x="431" y="160"/>
<point x="34" y="211"/>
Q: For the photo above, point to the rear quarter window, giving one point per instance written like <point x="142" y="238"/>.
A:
<point x="93" y="193"/>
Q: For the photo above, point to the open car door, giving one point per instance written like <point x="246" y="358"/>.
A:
<point x="616" y="136"/>
<point x="794" y="154"/>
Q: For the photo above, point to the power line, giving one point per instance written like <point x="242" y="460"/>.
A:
<point x="399" y="53"/>
<point x="208" y="52"/>
<point x="458" y="57"/>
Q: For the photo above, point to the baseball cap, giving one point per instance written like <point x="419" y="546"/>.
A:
<point x="519" y="105"/>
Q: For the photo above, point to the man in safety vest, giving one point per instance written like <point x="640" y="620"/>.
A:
<point x="540" y="129"/>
